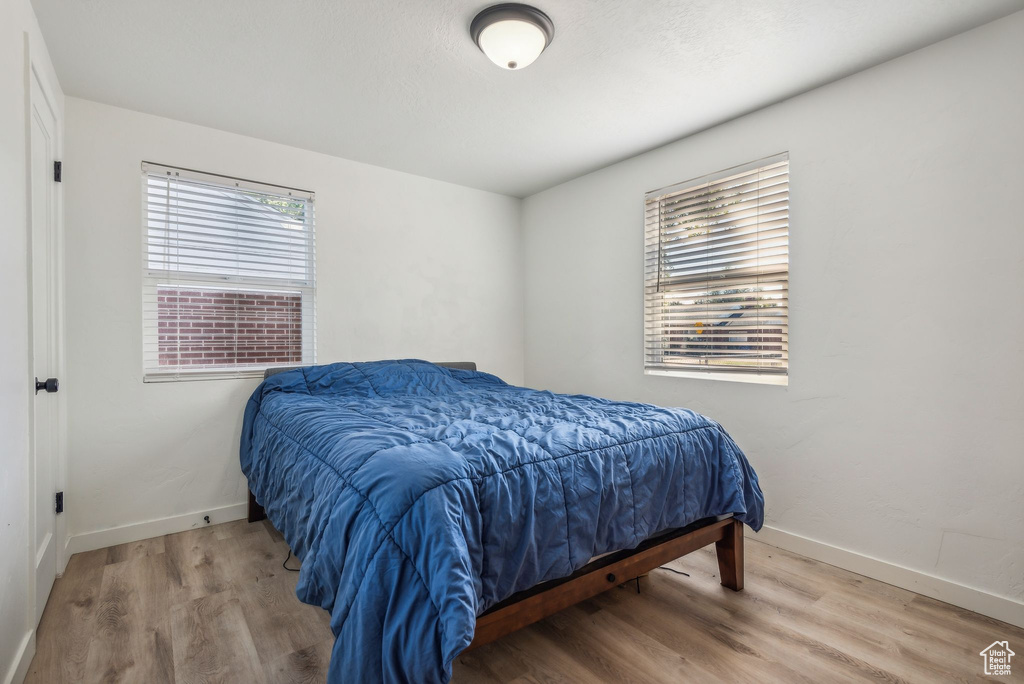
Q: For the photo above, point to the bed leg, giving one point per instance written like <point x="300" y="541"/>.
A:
<point x="256" y="512"/>
<point x="730" y="556"/>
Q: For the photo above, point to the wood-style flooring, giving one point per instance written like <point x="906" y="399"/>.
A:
<point x="214" y="605"/>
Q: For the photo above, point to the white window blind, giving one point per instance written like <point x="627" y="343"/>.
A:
<point x="228" y="275"/>
<point x="716" y="276"/>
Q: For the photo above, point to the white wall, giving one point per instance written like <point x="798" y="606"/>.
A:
<point x="16" y="629"/>
<point x="901" y="434"/>
<point x="406" y="267"/>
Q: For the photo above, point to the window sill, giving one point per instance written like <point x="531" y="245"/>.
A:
<point x="188" y="376"/>
<point x="752" y="378"/>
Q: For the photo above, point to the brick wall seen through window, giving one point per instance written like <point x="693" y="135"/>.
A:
<point x="206" y="327"/>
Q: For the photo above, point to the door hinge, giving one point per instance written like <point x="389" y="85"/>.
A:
<point x="60" y="502"/>
<point x="57" y="170"/>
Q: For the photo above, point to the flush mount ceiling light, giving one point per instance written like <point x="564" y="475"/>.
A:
<point x="512" y="35"/>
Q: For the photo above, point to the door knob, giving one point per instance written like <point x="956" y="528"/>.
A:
<point x="50" y="385"/>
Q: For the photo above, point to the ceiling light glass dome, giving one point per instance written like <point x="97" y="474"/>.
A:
<point x="512" y="35"/>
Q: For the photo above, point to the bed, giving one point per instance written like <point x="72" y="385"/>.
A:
<point x="436" y="508"/>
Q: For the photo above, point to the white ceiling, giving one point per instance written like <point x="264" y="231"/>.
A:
<point x="399" y="83"/>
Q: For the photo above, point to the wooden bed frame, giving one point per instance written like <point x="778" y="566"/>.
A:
<point x="600" y="575"/>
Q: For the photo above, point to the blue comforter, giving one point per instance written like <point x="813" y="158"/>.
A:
<point x="418" y="496"/>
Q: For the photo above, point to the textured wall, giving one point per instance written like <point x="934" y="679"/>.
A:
<point x="900" y="434"/>
<point x="406" y="267"/>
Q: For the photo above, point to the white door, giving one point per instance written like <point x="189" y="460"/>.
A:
<point x="43" y="260"/>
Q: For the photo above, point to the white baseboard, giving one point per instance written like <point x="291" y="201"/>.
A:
<point x="998" y="607"/>
<point x="22" y="659"/>
<point x="99" y="539"/>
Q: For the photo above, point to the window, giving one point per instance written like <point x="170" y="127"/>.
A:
<point x="716" y="275"/>
<point x="228" y="275"/>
